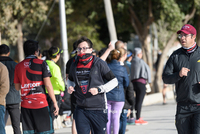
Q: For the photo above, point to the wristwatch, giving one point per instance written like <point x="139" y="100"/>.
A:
<point x="99" y="90"/>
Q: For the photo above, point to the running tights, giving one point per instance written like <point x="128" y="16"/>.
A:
<point x="140" y="91"/>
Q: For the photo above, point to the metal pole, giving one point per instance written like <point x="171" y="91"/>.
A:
<point x="110" y="20"/>
<point x="63" y="29"/>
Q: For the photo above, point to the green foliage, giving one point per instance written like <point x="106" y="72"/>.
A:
<point x="78" y="24"/>
<point x="14" y="12"/>
<point x="87" y="18"/>
<point x="171" y="14"/>
<point x="81" y="22"/>
<point x="197" y="5"/>
<point x="163" y="33"/>
<point x="122" y="20"/>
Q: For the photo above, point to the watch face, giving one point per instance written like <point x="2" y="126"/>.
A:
<point x="99" y="90"/>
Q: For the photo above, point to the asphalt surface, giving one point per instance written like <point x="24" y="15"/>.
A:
<point x="161" y="120"/>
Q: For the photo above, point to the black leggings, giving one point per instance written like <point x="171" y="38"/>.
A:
<point x="140" y="91"/>
<point x="14" y="112"/>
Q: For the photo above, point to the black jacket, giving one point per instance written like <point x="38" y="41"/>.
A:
<point x="13" y="96"/>
<point x="187" y="87"/>
<point x="99" y="72"/>
<point x="128" y="91"/>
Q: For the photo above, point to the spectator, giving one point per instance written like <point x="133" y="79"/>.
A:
<point x="45" y="55"/>
<point x="39" y="55"/>
<point x="32" y="75"/>
<point x="56" y="78"/>
<point x="94" y="52"/>
<point x="56" y="81"/>
<point x="4" y="89"/>
<point x="119" y="44"/>
<point x="129" y="97"/>
<point x="116" y="97"/>
<point x="140" y="75"/>
<point x="13" y="98"/>
<point x="131" y="119"/>
<point x="129" y="59"/>
<point x="73" y="98"/>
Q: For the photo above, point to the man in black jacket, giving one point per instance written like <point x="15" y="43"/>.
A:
<point x="86" y="80"/>
<point x="13" y="98"/>
<point x="183" y="69"/>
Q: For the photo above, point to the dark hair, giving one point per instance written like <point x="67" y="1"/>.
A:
<point x="102" y="51"/>
<point x="39" y="53"/>
<point x="46" y="53"/>
<point x="30" y="46"/>
<point x="53" y="52"/>
<point x="73" y="53"/>
<point x="75" y="45"/>
<point x="82" y="39"/>
<point x="4" y="49"/>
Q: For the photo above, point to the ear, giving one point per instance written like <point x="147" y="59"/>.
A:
<point x="194" y="36"/>
<point x="58" y="55"/>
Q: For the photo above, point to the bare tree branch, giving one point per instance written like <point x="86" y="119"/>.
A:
<point x="150" y="19"/>
<point x="191" y="15"/>
<point x="135" y="27"/>
<point x="135" y="19"/>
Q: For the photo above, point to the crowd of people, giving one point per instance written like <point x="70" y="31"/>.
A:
<point x="118" y="99"/>
<point x="105" y="87"/>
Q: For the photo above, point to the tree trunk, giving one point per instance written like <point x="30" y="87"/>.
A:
<point x="0" y="37"/>
<point x="142" y="30"/>
<point x="147" y="56"/>
<point x="158" y="77"/>
<point x="147" y="49"/>
<point x="20" y="42"/>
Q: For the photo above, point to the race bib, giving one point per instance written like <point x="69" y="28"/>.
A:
<point x="84" y="85"/>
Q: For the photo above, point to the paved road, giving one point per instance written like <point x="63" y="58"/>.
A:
<point x="161" y="120"/>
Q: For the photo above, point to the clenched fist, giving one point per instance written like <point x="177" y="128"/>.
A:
<point x="183" y="72"/>
<point x="70" y="90"/>
<point x="93" y="91"/>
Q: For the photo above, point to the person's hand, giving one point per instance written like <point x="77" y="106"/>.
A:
<point x="128" y="112"/>
<point x="111" y="47"/>
<point x="62" y="93"/>
<point x="56" y="109"/>
<point x="93" y="91"/>
<point x="183" y="72"/>
<point x="70" y="90"/>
